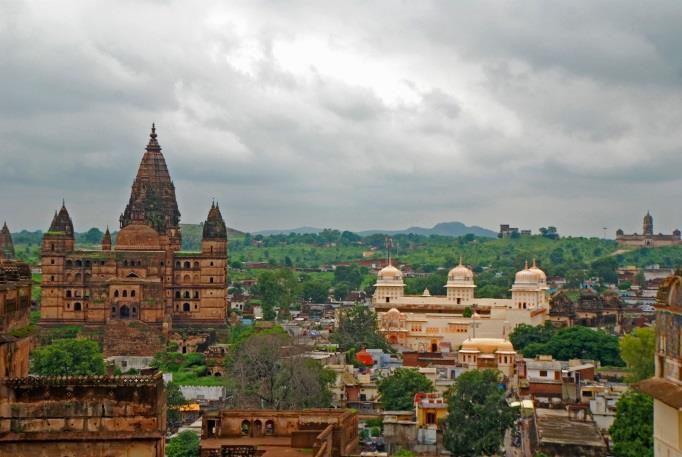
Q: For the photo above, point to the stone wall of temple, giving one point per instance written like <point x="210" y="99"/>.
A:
<point x="78" y="416"/>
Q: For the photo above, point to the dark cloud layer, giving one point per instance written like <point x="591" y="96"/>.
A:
<point x="347" y="114"/>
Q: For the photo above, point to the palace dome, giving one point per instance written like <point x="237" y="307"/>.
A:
<point x="137" y="237"/>
<point x="487" y="345"/>
<point x="526" y="276"/>
<point x="542" y="277"/>
<point x="461" y="274"/>
<point x="391" y="273"/>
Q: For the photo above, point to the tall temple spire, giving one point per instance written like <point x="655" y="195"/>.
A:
<point x="152" y="198"/>
<point x="6" y="244"/>
<point x="153" y="144"/>
<point x="214" y="227"/>
<point x="106" y="240"/>
<point x="62" y="221"/>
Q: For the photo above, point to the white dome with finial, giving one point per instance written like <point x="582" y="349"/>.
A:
<point x="390" y="273"/>
<point x="526" y="277"/>
<point x="461" y="275"/>
<point x="542" y="277"/>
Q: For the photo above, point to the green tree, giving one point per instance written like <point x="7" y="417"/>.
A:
<point x="266" y="371"/>
<point x="478" y="415"/>
<point x="638" y="351"/>
<point x="358" y="327"/>
<point x="632" y="430"/>
<point x="184" y="444"/>
<point x="316" y="289"/>
<point x="174" y="400"/>
<point x="68" y="357"/>
<point x="277" y="289"/>
<point x="524" y="334"/>
<point x="576" y="343"/>
<point x="467" y="312"/>
<point x="398" y="390"/>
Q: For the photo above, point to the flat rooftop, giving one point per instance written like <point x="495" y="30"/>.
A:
<point x="555" y="427"/>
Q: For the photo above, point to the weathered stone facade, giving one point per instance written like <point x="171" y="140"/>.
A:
<point x="93" y="416"/>
<point x="143" y="275"/>
<point x="88" y="416"/>
<point x="15" y="307"/>
<point x="666" y="386"/>
<point x="328" y="432"/>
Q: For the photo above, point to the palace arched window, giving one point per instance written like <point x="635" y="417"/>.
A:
<point x="196" y="264"/>
<point x="177" y="294"/>
<point x="185" y="307"/>
<point x="68" y="294"/>
<point x="116" y="293"/>
<point x="132" y="294"/>
<point x="125" y="293"/>
<point x="77" y="306"/>
<point x="186" y="264"/>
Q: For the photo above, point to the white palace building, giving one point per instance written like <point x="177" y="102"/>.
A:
<point x="430" y="323"/>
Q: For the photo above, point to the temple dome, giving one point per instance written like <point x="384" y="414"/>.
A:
<point x="137" y="237"/>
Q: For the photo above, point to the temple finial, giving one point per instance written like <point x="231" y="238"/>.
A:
<point x="460" y="261"/>
<point x="534" y="265"/>
<point x="525" y="266"/>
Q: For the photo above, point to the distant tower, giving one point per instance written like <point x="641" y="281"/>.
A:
<point x="648" y="225"/>
<point x="106" y="240"/>
<point x="6" y="244"/>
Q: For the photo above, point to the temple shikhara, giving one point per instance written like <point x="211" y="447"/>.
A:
<point x="144" y="275"/>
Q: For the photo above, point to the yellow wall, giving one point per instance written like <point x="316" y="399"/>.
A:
<point x="667" y="431"/>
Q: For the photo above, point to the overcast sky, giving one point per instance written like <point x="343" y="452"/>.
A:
<point x="347" y="114"/>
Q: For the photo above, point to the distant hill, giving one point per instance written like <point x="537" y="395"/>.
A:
<point x="299" y="230"/>
<point x="443" y="228"/>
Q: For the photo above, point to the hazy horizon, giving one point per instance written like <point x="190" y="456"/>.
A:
<point x="350" y="115"/>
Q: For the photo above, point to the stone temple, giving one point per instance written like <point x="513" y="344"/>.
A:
<point x="144" y="275"/>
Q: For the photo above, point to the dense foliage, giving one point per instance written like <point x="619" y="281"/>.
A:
<point x="184" y="444"/>
<point x="278" y="289"/>
<point x="357" y="327"/>
<point x="567" y="343"/>
<point x="265" y="371"/>
<point x="398" y="390"/>
<point x="69" y="357"/>
<point x="638" y="350"/>
<point x="187" y="369"/>
<point x="633" y="428"/>
<point x="174" y="400"/>
<point x="478" y="415"/>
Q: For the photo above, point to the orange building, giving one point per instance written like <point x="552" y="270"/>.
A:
<point x="143" y="275"/>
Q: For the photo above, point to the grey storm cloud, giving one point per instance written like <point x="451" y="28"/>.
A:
<point x="346" y="114"/>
